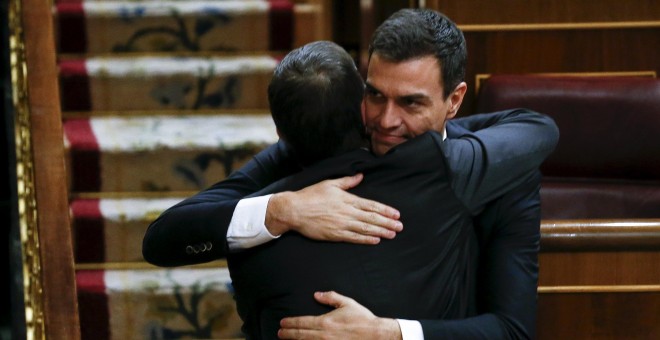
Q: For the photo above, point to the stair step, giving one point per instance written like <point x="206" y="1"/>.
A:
<point x="151" y="26"/>
<point x="111" y="229"/>
<point x="161" y="83"/>
<point x="157" y="304"/>
<point x="161" y="153"/>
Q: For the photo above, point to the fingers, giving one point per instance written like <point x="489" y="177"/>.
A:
<point x="313" y="327"/>
<point x="383" y="223"/>
<point x="377" y="208"/>
<point x="357" y="228"/>
<point x="369" y="223"/>
<point x="327" y="212"/>
<point x="300" y="322"/>
<point x="291" y="333"/>
<point x="347" y="182"/>
<point x="301" y="327"/>
<point x="332" y="298"/>
<point x="353" y="237"/>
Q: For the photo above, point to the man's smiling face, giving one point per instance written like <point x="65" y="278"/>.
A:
<point x="405" y="99"/>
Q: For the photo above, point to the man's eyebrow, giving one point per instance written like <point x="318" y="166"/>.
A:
<point x="411" y="96"/>
<point x="408" y="97"/>
<point x="415" y="96"/>
<point x="371" y="88"/>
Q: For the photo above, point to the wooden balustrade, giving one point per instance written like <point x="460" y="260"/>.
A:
<point x="599" y="279"/>
<point x="48" y="274"/>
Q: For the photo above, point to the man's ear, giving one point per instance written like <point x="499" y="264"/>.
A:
<point x="456" y="99"/>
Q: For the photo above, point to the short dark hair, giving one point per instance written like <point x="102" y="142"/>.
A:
<point x="315" y="98"/>
<point x="416" y="33"/>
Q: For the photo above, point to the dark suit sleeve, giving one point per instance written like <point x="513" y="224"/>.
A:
<point x="492" y="161"/>
<point x="195" y="230"/>
<point x="509" y="238"/>
<point x="508" y="227"/>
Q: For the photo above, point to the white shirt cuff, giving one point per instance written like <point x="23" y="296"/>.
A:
<point x="247" y="228"/>
<point x="410" y="329"/>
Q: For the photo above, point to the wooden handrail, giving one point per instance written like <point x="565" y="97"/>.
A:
<point x="49" y="279"/>
<point x="587" y="235"/>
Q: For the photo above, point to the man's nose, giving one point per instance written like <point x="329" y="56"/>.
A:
<point x="390" y="116"/>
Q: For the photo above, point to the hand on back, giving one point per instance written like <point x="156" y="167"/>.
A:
<point x="326" y="211"/>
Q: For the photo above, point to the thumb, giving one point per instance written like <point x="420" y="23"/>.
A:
<point x="332" y="298"/>
<point x="348" y="182"/>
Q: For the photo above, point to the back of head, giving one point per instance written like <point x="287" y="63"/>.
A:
<point x="315" y="98"/>
<point x="415" y="33"/>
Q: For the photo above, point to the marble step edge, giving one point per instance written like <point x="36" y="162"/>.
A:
<point x="136" y="9"/>
<point x="124" y="266"/>
<point x="151" y="133"/>
<point x="64" y="56"/>
<point x="167" y="65"/>
<point x="163" y="113"/>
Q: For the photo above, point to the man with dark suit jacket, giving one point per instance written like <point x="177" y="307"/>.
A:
<point x="432" y="183"/>
<point x="198" y="221"/>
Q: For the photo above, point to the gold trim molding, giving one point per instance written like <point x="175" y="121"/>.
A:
<point x="27" y="203"/>
<point x="559" y="26"/>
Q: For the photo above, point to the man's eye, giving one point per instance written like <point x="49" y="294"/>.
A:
<point x="375" y="97"/>
<point x="411" y="102"/>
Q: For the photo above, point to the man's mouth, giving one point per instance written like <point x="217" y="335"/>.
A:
<point x="386" y="138"/>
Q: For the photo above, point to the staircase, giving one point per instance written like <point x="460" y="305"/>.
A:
<point x="161" y="99"/>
